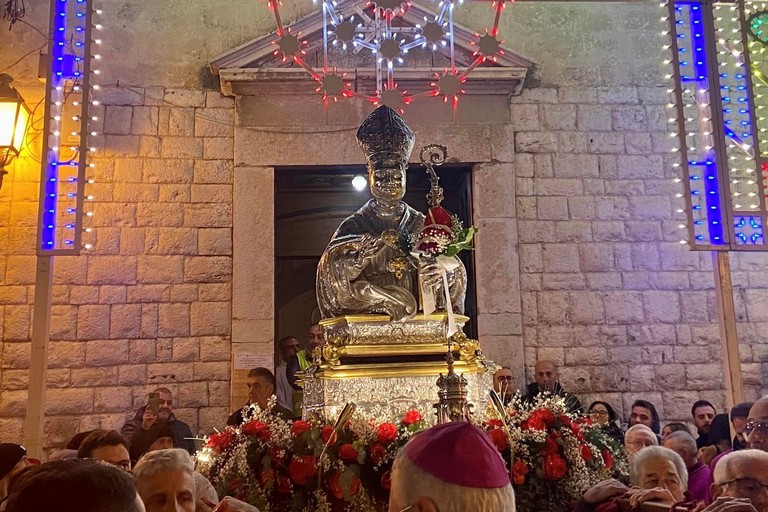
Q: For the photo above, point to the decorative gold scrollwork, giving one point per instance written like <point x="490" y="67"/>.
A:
<point x="469" y="349"/>
<point x="331" y="354"/>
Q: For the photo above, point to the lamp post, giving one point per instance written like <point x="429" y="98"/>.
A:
<point x="14" y="116"/>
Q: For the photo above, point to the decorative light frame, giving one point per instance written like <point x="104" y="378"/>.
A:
<point x="68" y="128"/>
<point x="360" y="29"/>
<point x="722" y="169"/>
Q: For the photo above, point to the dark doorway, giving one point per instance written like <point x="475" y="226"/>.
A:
<point x="311" y="202"/>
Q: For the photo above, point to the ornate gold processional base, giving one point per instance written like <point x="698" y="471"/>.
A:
<point x="387" y="367"/>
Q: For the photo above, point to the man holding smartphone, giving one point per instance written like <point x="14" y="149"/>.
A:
<point x="159" y="410"/>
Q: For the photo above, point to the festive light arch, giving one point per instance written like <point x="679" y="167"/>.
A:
<point x="372" y="26"/>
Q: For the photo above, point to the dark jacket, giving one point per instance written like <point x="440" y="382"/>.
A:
<point x="614" y="432"/>
<point x="237" y="418"/>
<point x="571" y="401"/>
<point x="143" y="439"/>
<point x="181" y="431"/>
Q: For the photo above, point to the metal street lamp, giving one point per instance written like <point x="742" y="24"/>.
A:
<point x="14" y="116"/>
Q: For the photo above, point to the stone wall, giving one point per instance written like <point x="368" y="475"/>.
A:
<point x="608" y="290"/>
<point x="150" y="304"/>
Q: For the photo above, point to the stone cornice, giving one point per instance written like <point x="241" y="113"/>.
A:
<point x="293" y="81"/>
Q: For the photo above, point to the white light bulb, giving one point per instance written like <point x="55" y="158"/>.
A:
<point x="359" y="183"/>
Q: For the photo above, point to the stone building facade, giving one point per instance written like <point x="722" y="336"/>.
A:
<point x="578" y="255"/>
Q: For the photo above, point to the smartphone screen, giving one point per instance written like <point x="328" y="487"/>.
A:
<point x="154" y="403"/>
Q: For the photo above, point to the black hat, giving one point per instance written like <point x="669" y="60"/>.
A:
<point x="10" y="455"/>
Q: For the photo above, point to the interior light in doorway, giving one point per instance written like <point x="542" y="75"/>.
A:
<point x="359" y="183"/>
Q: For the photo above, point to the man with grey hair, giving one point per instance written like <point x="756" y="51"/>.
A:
<point x="683" y="444"/>
<point x="637" y="437"/>
<point x="741" y="483"/>
<point x="145" y="418"/>
<point x="165" y="481"/>
<point x="655" y="474"/>
<point x="453" y="467"/>
<point x="547" y="380"/>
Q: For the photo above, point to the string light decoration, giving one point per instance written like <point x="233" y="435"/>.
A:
<point x="722" y="169"/>
<point x="69" y="129"/>
<point x="378" y="27"/>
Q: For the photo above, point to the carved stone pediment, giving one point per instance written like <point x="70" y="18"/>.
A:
<point x="252" y="68"/>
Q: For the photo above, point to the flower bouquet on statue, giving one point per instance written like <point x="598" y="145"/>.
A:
<point x="443" y="234"/>
<point x="435" y="248"/>
<point x="306" y="465"/>
<point x="554" y="455"/>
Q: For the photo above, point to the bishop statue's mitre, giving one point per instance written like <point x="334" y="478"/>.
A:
<point x="385" y="139"/>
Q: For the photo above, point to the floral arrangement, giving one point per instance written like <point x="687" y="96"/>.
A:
<point x="554" y="455"/>
<point x="302" y="466"/>
<point x="443" y="234"/>
<point x="306" y="465"/>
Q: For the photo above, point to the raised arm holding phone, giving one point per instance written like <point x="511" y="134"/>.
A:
<point x="159" y="410"/>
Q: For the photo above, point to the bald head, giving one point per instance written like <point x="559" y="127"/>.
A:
<point x="759" y="409"/>
<point x="756" y="429"/>
<point x="683" y="444"/>
<point x="545" y="375"/>
<point x="742" y="474"/>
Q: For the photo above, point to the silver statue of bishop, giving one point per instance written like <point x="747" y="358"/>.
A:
<point x="364" y="270"/>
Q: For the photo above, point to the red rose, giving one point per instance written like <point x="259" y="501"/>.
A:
<point x="276" y="453"/>
<point x="386" y="433"/>
<point x="524" y="425"/>
<point x="298" y="427"/>
<point x="540" y="419"/>
<point x="554" y="467"/>
<point x="495" y="423"/>
<point x="327" y="433"/>
<point x="608" y="459"/>
<point x="284" y="484"/>
<point x="499" y="439"/>
<point x="335" y="484"/>
<point x="378" y="453"/>
<point x="222" y="440"/>
<point x="258" y="429"/>
<point x="386" y="480"/>
<point x="550" y="447"/>
<point x="348" y="453"/>
<point x="411" y="417"/>
<point x="576" y="429"/>
<point x="586" y="453"/>
<point x="338" y="491"/>
<point x="519" y="470"/>
<point x="565" y="420"/>
<point x="302" y="468"/>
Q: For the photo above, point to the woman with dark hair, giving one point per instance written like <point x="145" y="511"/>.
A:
<point x="675" y="426"/>
<point x="602" y="414"/>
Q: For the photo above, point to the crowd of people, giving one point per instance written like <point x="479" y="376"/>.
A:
<point x="147" y="465"/>
<point x="707" y="466"/>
